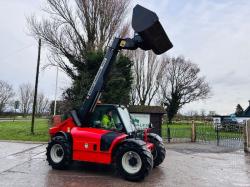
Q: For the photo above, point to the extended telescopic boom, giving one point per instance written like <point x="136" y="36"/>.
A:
<point x="149" y="35"/>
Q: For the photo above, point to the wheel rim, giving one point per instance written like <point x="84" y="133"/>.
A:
<point x="131" y="162"/>
<point x="56" y="153"/>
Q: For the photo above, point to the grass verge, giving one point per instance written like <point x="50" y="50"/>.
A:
<point x="20" y="130"/>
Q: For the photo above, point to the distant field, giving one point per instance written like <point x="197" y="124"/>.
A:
<point x="20" y="130"/>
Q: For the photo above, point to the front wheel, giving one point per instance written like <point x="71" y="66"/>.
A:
<point x="59" y="153"/>
<point x="133" y="161"/>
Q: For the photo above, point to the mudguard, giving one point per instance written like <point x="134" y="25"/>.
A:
<point x="107" y="140"/>
<point x="156" y="136"/>
<point x="136" y="141"/>
<point x="67" y="136"/>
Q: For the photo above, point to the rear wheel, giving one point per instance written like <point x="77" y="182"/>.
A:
<point x="59" y="153"/>
<point x="133" y="162"/>
<point x="158" y="152"/>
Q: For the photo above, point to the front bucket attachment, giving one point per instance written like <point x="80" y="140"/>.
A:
<point x="146" y="24"/>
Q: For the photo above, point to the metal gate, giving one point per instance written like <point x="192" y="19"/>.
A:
<point x="228" y="135"/>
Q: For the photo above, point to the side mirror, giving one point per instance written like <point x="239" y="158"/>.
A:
<point x="146" y="24"/>
<point x="151" y="125"/>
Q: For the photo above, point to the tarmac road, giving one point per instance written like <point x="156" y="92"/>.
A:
<point x="25" y="165"/>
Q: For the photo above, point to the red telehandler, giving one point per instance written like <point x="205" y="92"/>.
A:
<point x="82" y="138"/>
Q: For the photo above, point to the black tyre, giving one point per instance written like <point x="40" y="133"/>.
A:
<point x="59" y="153"/>
<point x="158" y="152"/>
<point x="133" y="162"/>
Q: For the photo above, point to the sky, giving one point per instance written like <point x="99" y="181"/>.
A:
<point x="213" y="34"/>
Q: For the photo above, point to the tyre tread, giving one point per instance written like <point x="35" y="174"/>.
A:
<point x="147" y="161"/>
<point x="64" y="164"/>
<point x="161" y="151"/>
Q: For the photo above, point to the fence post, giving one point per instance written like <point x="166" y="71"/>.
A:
<point x="168" y="134"/>
<point x="217" y="135"/>
<point x="193" y="134"/>
<point x="246" y="131"/>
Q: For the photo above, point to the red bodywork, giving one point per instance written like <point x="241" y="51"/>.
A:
<point x="86" y="142"/>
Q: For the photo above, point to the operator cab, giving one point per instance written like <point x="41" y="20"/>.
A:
<point x="120" y="117"/>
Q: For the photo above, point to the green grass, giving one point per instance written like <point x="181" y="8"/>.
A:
<point x="20" y="130"/>
<point x="177" y="130"/>
<point x="204" y="131"/>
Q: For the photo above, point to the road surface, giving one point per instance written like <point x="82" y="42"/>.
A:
<point x="185" y="165"/>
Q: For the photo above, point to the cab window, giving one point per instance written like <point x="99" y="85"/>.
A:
<point x="100" y="111"/>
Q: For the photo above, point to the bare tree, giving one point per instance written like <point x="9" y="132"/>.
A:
<point x="75" y="27"/>
<point x="147" y="72"/>
<point x="203" y="113"/>
<point x="26" y="92"/>
<point x="42" y="104"/>
<point x="212" y="113"/>
<point x="134" y="100"/>
<point x="6" y="93"/>
<point x="181" y="85"/>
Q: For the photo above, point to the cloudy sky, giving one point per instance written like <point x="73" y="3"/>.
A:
<point x="211" y="33"/>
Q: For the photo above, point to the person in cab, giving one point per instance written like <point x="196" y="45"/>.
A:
<point x="107" y="120"/>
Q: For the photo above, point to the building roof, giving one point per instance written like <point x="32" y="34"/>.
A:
<point x="228" y="116"/>
<point x="146" y="109"/>
<point x="247" y="112"/>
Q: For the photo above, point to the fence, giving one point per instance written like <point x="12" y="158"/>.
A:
<point x="177" y="132"/>
<point x="246" y="134"/>
<point x="203" y="132"/>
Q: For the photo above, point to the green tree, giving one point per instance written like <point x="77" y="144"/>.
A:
<point x="117" y="88"/>
<point x="239" y="110"/>
<point x="119" y="82"/>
